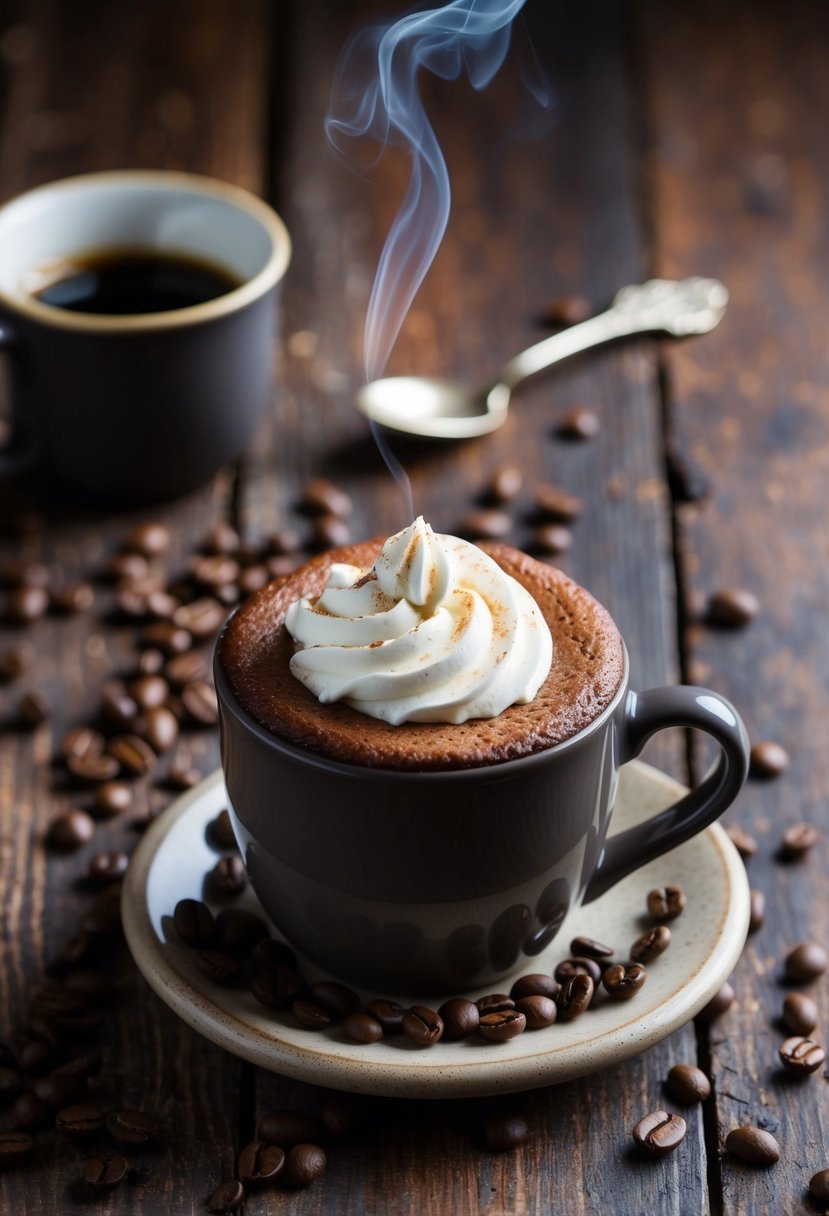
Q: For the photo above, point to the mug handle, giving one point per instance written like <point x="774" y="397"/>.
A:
<point x="19" y="453"/>
<point x="645" y="714"/>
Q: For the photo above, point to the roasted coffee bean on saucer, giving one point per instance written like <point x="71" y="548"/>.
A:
<point x="423" y="1025"/>
<point x="194" y="922"/>
<point x="666" y="903"/>
<point x="229" y="875"/>
<point x="652" y="943"/>
<point x="622" y="981"/>
<point x="361" y="1027"/>
<point x="539" y="1011"/>
<point x="574" y="997"/>
<point x="538" y="984"/>
<point x="238" y="930"/>
<point x="588" y="947"/>
<point x="502" y="1026"/>
<point x="390" y="1016"/>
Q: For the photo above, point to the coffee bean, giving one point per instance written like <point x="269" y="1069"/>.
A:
<point x="304" y="1163"/>
<point x="214" y="570"/>
<point x="801" y="1055"/>
<point x="390" y="1015"/>
<point x="574" y="996"/>
<point x="578" y="966"/>
<point x="218" y="967"/>
<point x="268" y="954"/>
<point x="199" y="699"/>
<point x="732" y="608"/>
<point x="494" y="1002"/>
<point x="743" y="841"/>
<point x="805" y="962"/>
<point x="29" y="1114"/>
<point x="171" y="640"/>
<point x="362" y="1028"/>
<point x="277" y="988"/>
<point x="287" y="1128"/>
<point x="666" y="903"/>
<point x="768" y="759"/>
<point x="253" y="579"/>
<point x="194" y="922"/>
<point x="309" y="1014"/>
<point x="539" y="1011"/>
<point x="686" y="1084"/>
<point x="330" y="532"/>
<point x="321" y="497"/>
<point x="148" y="692"/>
<point x="132" y="1126"/>
<point x="124" y="568"/>
<point x="798" y="840"/>
<point x="229" y="875"/>
<point x="11" y="1084"/>
<point x="187" y="668"/>
<point x="185" y="777"/>
<point x="20" y="572"/>
<point x="423" y="1025"/>
<point x="238" y="931"/>
<point x="104" y="1173"/>
<point x="284" y="541"/>
<point x="133" y="754"/>
<point x="14" y="661"/>
<point x="566" y="310"/>
<point x="221" y="538"/>
<point x="539" y="984"/>
<point x="338" y="1000"/>
<point x="757" y="913"/>
<point x="552" y="538"/>
<point x="34" y="709"/>
<point x="500" y="1027"/>
<point x="337" y="1116"/>
<point x="753" y="1145"/>
<point x="70" y="831"/>
<point x="686" y="480"/>
<point x="460" y="1018"/>
<point x="278" y="567"/>
<point x="720" y="1003"/>
<point x="651" y="944"/>
<point x="107" y="866"/>
<point x="14" y="1146"/>
<point x="93" y="770"/>
<point x="587" y="947"/>
<point x="260" y="1163"/>
<point x="82" y="1119"/>
<point x="118" y="710"/>
<point x="819" y="1187"/>
<point x="82" y="742"/>
<point x="622" y="981"/>
<point x="27" y="604"/>
<point x="160" y="729"/>
<point x="227" y="1197"/>
<point x="486" y="525"/>
<point x="149" y="539"/>
<point x="579" y="423"/>
<point x="505" y="1131"/>
<point x="56" y="1091"/>
<point x="557" y="504"/>
<point x="505" y="484"/>
<point x="221" y="829"/>
<point x="72" y="598"/>
<point x="201" y="618"/>
<point x="800" y="1013"/>
<point x="659" y="1133"/>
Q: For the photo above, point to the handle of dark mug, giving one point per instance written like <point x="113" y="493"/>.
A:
<point x="645" y="714"/>
<point x="18" y="454"/>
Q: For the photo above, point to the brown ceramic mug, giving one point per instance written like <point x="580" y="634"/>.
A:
<point x="138" y="407"/>
<point x="445" y="881"/>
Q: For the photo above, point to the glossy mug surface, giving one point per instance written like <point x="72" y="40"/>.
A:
<point x="444" y="881"/>
<point x="143" y="406"/>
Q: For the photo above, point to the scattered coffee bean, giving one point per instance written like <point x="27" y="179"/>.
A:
<point x="227" y="1197"/>
<point x="214" y="570"/>
<point x="539" y="1011"/>
<point x="503" y="1026"/>
<point x="276" y="987"/>
<point x="557" y="504"/>
<point x="253" y="579"/>
<point x="72" y="598"/>
<point x="160" y="729"/>
<point x="221" y="538"/>
<point x="801" y="1055"/>
<point x="805" y="962"/>
<point x="732" y="608"/>
<point x="304" y="1163"/>
<point x="308" y="1013"/>
<point x="505" y="1131"/>
<point x="819" y="1187"/>
<point x="29" y="1114"/>
<point x="201" y="618"/>
<point x="321" y="497"/>
<point x="70" y="831"/>
<point x="126" y="567"/>
<point x="14" y="1146"/>
<point x="505" y="484"/>
<point x="569" y="967"/>
<point x="757" y="913"/>
<point x="238" y="931"/>
<point x="268" y="954"/>
<point x="768" y="759"/>
<point x="743" y="841"/>
<point x="659" y="1133"/>
<point x="622" y="981"/>
<point x="27" y="604"/>
<point x="423" y="1025"/>
<point x="587" y="947"/>
<point x="666" y="903"/>
<point x="753" y="1145"/>
<point x="579" y="423"/>
<point x="283" y="542"/>
<point x="800" y="1013"/>
<point x="20" y="572"/>
<point x="229" y="875"/>
<point x="168" y="638"/>
<point x="93" y="770"/>
<point x="185" y="777"/>
<point x="82" y="742"/>
<point x="133" y="754"/>
<point x="566" y="310"/>
<point x="686" y="1084"/>
<point x="118" y="710"/>
<point x="687" y="481"/>
<point x="14" y="661"/>
<point x="11" y="1084"/>
<point x="186" y="668"/>
<point x="260" y="1163"/>
<point x="390" y="1015"/>
<point x="552" y="538"/>
<point x="460" y="1018"/>
<point x="337" y="1000"/>
<point x="34" y="709"/>
<point x="486" y="525"/>
<point x="132" y="1126"/>
<point x="362" y="1028"/>
<point x="798" y="840"/>
<point x="199" y="699"/>
<point x="194" y="922"/>
<point x="148" y="692"/>
<point x="104" y="1173"/>
<point x="651" y="944"/>
<point x="150" y="539"/>
<point x="107" y="866"/>
<point x="494" y="1002"/>
<point x="221" y="829"/>
<point x="287" y="1128"/>
<point x="82" y="1119"/>
<point x="330" y="532"/>
<point x="278" y="567"/>
<point x="539" y="984"/>
<point x="574" y="997"/>
<point x="337" y="1117"/>
<point x="720" y="1003"/>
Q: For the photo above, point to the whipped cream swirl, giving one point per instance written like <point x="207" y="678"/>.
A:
<point x="436" y="631"/>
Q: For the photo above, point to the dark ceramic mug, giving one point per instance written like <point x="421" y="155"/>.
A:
<point x="141" y="407"/>
<point x="446" y="881"/>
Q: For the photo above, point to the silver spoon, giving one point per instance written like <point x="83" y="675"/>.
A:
<point x="444" y="409"/>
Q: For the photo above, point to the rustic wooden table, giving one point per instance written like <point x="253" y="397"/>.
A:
<point x="687" y="140"/>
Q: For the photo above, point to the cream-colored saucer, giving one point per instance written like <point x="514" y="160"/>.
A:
<point x="170" y="864"/>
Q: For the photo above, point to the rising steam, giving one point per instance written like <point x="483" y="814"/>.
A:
<point x="375" y="94"/>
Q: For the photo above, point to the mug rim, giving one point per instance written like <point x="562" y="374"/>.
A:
<point x="220" y="306"/>
<point x="230" y="702"/>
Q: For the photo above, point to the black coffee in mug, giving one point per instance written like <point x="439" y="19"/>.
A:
<point x="124" y="282"/>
